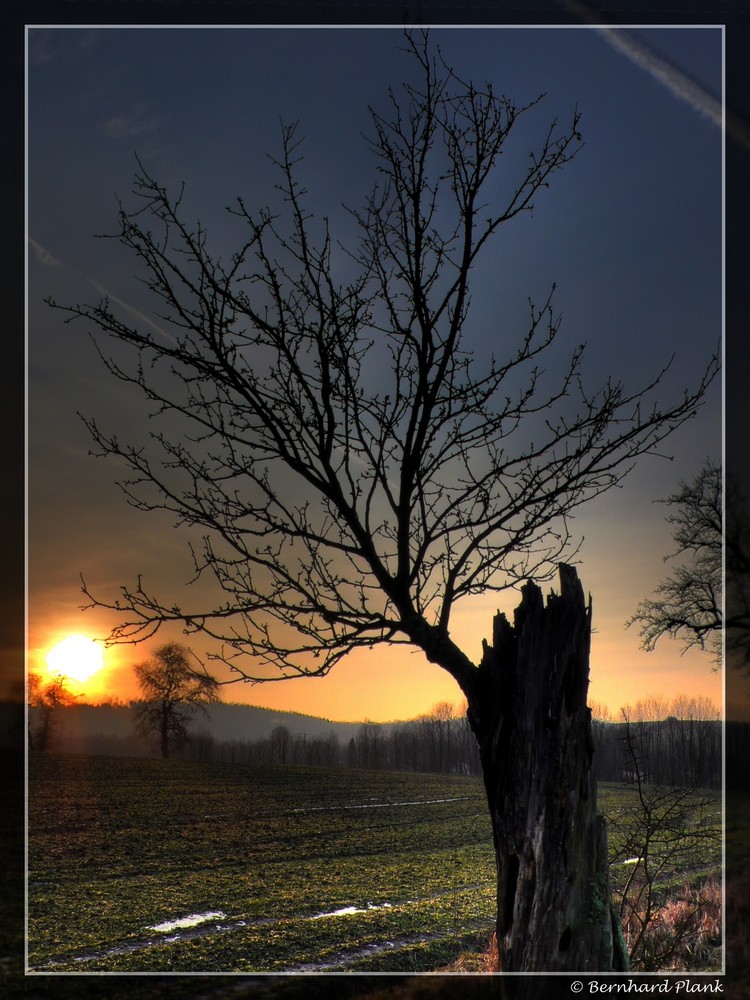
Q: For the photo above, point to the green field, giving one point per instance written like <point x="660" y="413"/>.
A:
<point x="153" y="866"/>
<point x="118" y="847"/>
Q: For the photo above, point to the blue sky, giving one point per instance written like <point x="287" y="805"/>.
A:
<point x="630" y="231"/>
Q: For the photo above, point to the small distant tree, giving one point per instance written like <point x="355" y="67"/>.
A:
<point x="174" y="692"/>
<point x="280" y="739"/>
<point x="688" y="604"/>
<point x="443" y="714"/>
<point x="368" y="746"/>
<point x="45" y="701"/>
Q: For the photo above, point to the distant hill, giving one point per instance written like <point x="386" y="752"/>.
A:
<point x="224" y="722"/>
<point x="245" y="722"/>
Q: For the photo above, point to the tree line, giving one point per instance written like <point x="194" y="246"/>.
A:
<point x="677" y="743"/>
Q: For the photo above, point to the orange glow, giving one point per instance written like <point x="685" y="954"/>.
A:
<point x="387" y="684"/>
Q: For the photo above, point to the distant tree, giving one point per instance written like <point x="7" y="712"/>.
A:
<point x="332" y="753"/>
<point x="679" y="743"/>
<point x="45" y="701"/>
<point x="688" y="604"/>
<point x="442" y="715"/>
<point x="280" y="739"/>
<point x="202" y="746"/>
<point x="174" y="691"/>
<point x="606" y="757"/>
<point x="354" y="473"/>
<point x="368" y="741"/>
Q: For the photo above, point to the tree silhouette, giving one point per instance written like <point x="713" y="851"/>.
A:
<point x="174" y="692"/>
<point x="280" y="739"/>
<point x="45" y="700"/>
<point x="355" y="473"/>
<point x="689" y="602"/>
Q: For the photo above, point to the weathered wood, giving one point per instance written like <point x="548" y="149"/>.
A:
<point x="534" y="731"/>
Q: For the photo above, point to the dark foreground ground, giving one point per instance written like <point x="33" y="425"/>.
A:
<point x="289" y="987"/>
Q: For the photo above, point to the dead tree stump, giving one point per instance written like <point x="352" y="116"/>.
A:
<point x="534" y="731"/>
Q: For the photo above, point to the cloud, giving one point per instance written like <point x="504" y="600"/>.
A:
<point x="125" y="126"/>
<point x="674" y="79"/>
<point x="54" y="44"/>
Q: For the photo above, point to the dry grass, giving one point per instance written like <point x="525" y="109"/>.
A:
<point x="477" y="961"/>
<point x="682" y="935"/>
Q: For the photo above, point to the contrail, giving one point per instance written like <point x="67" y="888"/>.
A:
<point x="673" y="79"/>
<point x="676" y="81"/>
<point x="43" y="256"/>
<point x="49" y="260"/>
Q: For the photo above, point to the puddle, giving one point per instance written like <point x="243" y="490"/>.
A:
<point x="381" y="805"/>
<point x="192" y="921"/>
<point x="346" y="910"/>
<point x="190" y="932"/>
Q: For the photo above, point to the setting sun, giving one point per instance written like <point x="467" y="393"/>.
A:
<point x="76" y="657"/>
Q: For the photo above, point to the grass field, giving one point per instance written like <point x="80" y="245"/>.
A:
<point x="119" y="849"/>
<point x="153" y="866"/>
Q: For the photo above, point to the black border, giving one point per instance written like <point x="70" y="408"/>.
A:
<point x="735" y="14"/>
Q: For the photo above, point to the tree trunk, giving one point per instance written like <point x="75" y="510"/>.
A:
<point x="534" y="731"/>
<point x="164" y="733"/>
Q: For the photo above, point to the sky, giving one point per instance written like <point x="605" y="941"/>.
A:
<point x="630" y="232"/>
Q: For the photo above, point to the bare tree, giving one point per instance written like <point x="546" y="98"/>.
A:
<point x="369" y="744"/>
<point x="280" y="740"/>
<point x="688" y="604"/>
<point x="45" y="701"/>
<point x="436" y="731"/>
<point x="354" y="473"/>
<point x="174" y="692"/>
